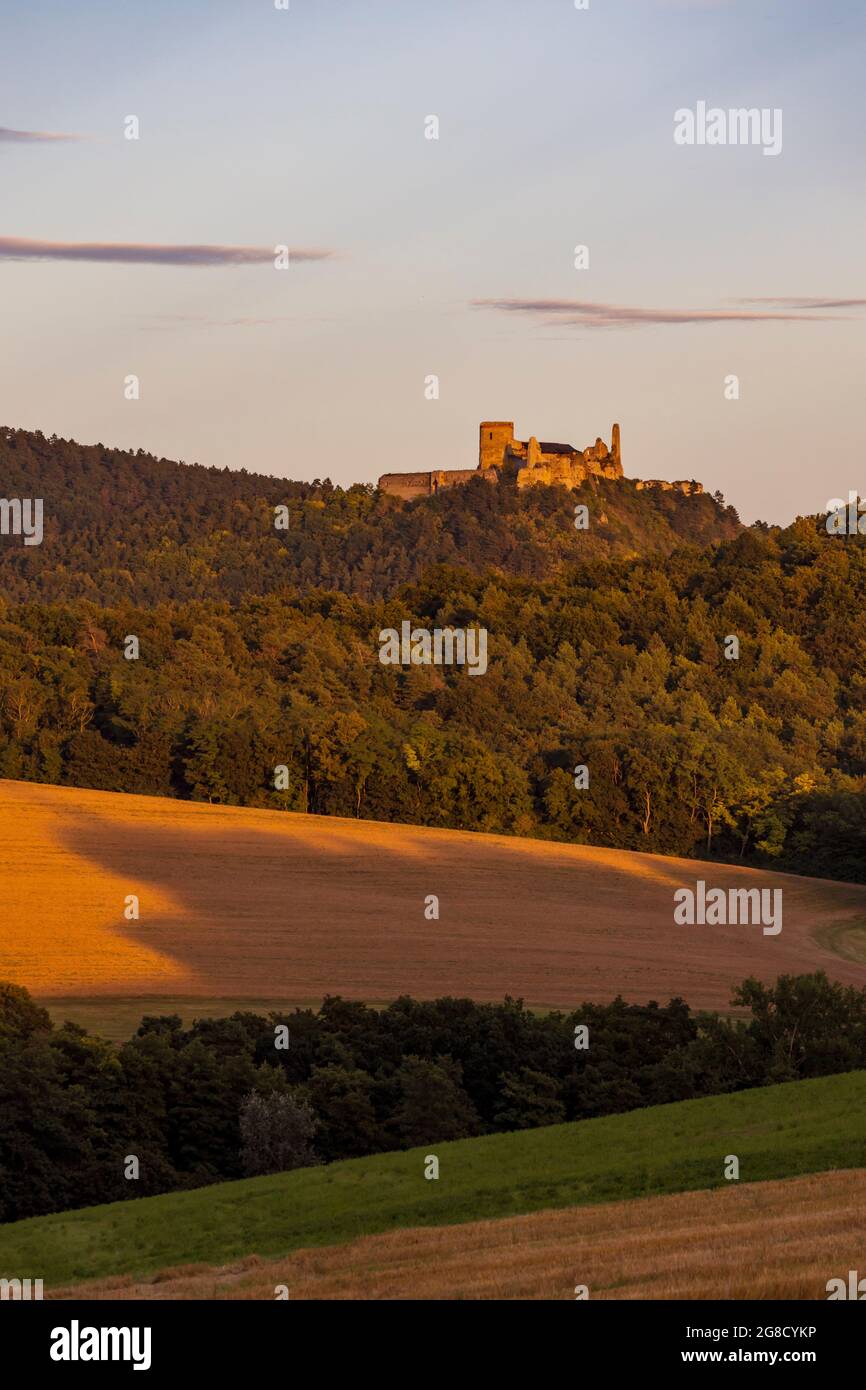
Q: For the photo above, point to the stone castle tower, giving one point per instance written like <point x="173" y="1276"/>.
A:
<point x="495" y="437"/>
<point x="534" y="462"/>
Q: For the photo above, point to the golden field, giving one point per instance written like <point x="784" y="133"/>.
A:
<point x="255" y="905"/>
<point x="768" y="1240"/>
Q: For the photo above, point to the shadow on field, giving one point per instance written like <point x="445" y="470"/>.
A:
<point x="279" y="903"/>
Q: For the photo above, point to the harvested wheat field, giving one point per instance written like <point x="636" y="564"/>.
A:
<point x="760" y="1240"/>
<point x="243" y="903"/>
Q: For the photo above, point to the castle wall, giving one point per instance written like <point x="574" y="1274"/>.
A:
<point x="406" y="486"/>
<point x="687" y="486"/>
<point x="560" y="464"/>
<point x="567" y="469"/>
<point x="456" y="477"/>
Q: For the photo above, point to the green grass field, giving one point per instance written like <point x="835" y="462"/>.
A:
<point x="777" y="1132"/>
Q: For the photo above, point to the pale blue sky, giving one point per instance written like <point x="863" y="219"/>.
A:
<point x="261" y="127"/>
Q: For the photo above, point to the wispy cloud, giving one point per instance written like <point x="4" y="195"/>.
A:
<point x="165" y="322"/>
<point x="580" y="313"/>
<point x="35" y="137"/>
<point x="810" y="302"/>
<point x="148" y="253"/>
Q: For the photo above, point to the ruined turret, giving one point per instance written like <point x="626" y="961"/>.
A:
<point x="495" y="438"/>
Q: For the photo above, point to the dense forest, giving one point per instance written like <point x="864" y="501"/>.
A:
<point x="618" y="664"/>
<point x="224" y="1099"/>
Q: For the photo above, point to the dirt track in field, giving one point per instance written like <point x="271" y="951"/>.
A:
<point x="245" y="903"/>
<point x="767" y="1240"/>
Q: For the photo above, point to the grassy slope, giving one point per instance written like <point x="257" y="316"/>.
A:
<point x="780" y="1131"/>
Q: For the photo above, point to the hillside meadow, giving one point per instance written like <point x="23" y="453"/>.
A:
<point x="799" y="1128"/>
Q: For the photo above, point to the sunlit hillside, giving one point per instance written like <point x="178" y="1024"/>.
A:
<point x="239" y="903"/>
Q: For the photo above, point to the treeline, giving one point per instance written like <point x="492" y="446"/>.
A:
<point x="620" y="667"/>
<point x="130" y="528"/>
<point x="248" y="1094"/>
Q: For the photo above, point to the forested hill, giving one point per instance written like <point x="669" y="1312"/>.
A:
<point x="260" y="648"/>
<point x="128" y="527"/>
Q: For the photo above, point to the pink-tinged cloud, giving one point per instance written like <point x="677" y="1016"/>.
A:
<point x="579" y="313"/>
<point x="149" y="253"/>
<point x="808" y="302"/>
<point x="34" y="137"/>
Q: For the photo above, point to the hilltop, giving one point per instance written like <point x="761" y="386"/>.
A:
<point x="129" y="527"/>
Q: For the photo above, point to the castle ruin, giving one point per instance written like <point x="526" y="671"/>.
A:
<point x="534" y="462"/>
